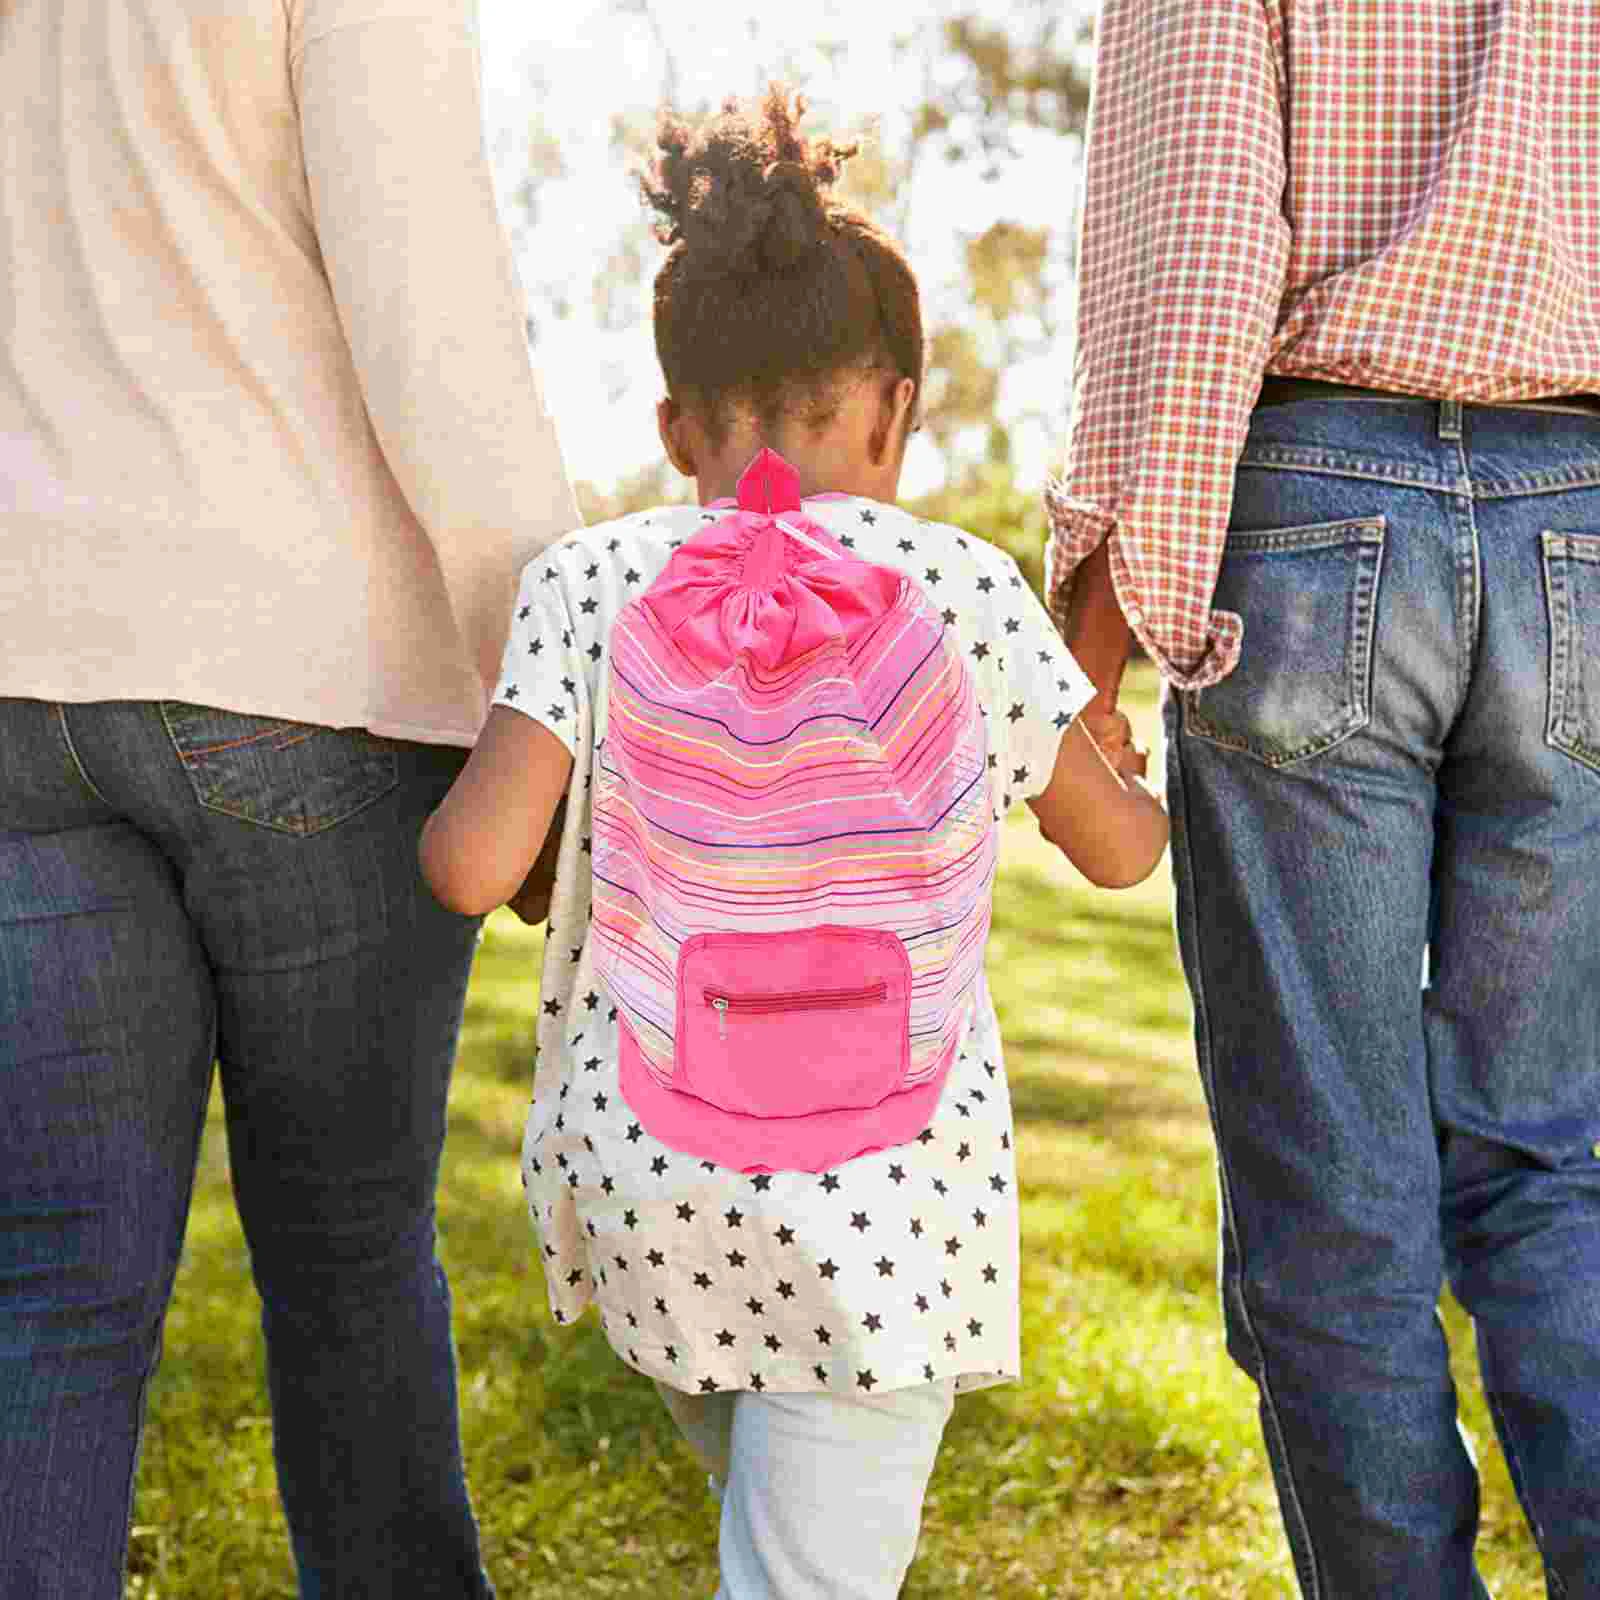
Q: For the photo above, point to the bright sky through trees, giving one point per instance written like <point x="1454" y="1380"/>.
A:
<point x="564" y="71"/>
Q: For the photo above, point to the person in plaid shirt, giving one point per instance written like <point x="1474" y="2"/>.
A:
<point x="1335" y="462"/>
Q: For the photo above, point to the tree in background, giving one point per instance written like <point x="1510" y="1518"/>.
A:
<point x="994" y="92"/>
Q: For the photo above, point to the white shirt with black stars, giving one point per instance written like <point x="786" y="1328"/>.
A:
<point x="891" y="1270"/>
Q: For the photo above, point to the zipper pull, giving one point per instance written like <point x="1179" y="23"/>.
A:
<point x="720" y="1006"/>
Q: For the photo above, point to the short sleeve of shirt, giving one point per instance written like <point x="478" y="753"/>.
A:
<point x="1043" y="690"/>
<point x="543" y="673"/>
<point x="310" y="20"/>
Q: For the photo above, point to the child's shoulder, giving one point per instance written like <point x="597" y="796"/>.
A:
<point x="652" y="533"/>
<point x="881" y="531"/>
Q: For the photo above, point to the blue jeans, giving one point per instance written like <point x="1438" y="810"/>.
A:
<point x="180" y="885"/>
<point x="1405" y="768"/>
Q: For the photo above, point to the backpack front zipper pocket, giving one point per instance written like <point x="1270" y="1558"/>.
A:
<point x="801" y="1000"/>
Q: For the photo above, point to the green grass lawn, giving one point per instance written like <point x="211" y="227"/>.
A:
<point x="1126" y="1463"/>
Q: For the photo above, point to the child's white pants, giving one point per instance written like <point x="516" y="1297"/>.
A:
<point x="821" y="1493"/>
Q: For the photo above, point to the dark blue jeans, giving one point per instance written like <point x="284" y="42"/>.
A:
<point x="1406" y="768"/>
<point x="179" y="886"/>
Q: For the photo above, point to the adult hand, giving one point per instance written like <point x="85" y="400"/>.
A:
<point x="532" y="901"/>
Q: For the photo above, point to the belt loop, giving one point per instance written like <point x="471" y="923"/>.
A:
<point x="1450" y="420"/>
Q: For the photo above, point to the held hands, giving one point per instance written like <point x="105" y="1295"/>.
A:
<point x="1113" y="733"/>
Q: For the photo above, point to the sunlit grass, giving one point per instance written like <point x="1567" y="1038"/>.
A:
<point x="1127" y="1462"/>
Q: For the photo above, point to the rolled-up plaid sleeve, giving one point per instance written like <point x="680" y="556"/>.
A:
<point x="1181" y="272"/>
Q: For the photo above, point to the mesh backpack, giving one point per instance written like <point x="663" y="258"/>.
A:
<point x="794" y="843"/>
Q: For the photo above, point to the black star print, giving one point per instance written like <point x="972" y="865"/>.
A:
<point x="872" y="1322"/>
<point x="671" y="1353"/>
<point x="631" y="575"/>
<point x="762" y="1182"/>
<point x="558" y="713"/>
<point x="926" y="1136"/>
<point x="945" y="1289"/>
<point x="939" y="1186"/>
<point x="569" y="686"/>
<point x="980" y="1219"/>
<point x="847" y="541"/>
<point x="829" y="1183"/>
<point x="1062" y="720"/>
<point x="572" y="1180"/>
<point x="869" y="517"/>
<point x="661" y="1307"/>
<point x="823" y="1336"/>
<point x="622" y="1265"/>
<point x="733" y="1217"/>
<point x="592" y="571"/>
<point x="821" y="1372"/>
<point x="931" y="575"/>
<point x="907" y="546"/>
<point x="865" y="1380"/>
<point x="949" y="618"/>
<point x="785" y="1234"/>
<point x="952" y="1246"/>
<point x="536" y="648"/>
<point x="921" y="1302"/>
<point x="773" y="1343"/>
<point x="566" y="637"/>
<point x="1005" y="1141"/>
<point x="963" y="1151"/>
<point x="630" y="1220"/>
<point x="702" y="1280"/>
<point x="575" y="1277"/>
<point x="997" y="1183"/>
<point x="927" y="1370"/>
<point x="1015" y="713"/>
<point x="552" y="1008"/>
<point x="785" y="1289"/>
<point x="897" y="1173"/>
<point x="599" y="1102"/>
<point x="828" y="1270"/>
<point x="708" y="1386"/>
<point x="512" y="692"/>
<point x="974" y="1327"/>
<point x="522" y="615"/>
<point x="724" y="1338"/>
<point x="606" y="1185"/>
<point x="614" y="545"/>
<point x="656" y="1259"/>
<point x="990" y="1275"/>
<point x="549" y="575"/>
<point x="589" y="606"/>
<point x="860" y="1221"/>
<point x="735" y="1258"/>
<point x="949" y="1341"/>
<point x="980" y="651"/>
<point x="592" y="1064"/>
<point x="916" y="1227"/>
<point x="757" y="1382"/>
<point x="755" y="1307"/>
<point x="1019" y="774"/>
<point x="985" y="585"/>
<point x="1012" y="624"/>
<point x="633" y="1321"/>
<point x="685" y="1212"/>
<point x="659" y="1165"/>
<point x="635" y="1133"/>
<point x="963" y="1109"/>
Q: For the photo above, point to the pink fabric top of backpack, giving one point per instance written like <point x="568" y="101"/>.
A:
<point x="794" y="843"/>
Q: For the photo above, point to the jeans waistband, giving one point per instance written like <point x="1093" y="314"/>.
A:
<point x="1276" y="391"/>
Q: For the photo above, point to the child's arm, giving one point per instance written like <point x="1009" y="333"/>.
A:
<point x="1108" y="826"/>
<point x="478" y="846"/>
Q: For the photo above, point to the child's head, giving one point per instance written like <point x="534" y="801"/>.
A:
<point x="783" y="316"/>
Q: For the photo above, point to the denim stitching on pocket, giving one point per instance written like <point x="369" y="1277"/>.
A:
<point x="1572" y="587"/>
<point x="291" y="777"/>
<point x="1283" y="722"/>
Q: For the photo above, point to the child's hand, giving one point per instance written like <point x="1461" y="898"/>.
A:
<point x="532" y="901"/>
<point x="1113" y="733"/>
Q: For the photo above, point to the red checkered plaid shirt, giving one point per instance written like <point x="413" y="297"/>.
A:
<point x="1396" y="194"/>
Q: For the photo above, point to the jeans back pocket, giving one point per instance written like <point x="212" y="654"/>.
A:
<point x="1572" y="591"/>
<point x="294" y="777"/>
<point x="1308" y="597"/>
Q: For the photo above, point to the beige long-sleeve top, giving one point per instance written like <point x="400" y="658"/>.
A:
<point x="269" y="434"/>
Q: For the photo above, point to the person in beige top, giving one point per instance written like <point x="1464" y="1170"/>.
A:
<point x="271" y="457"/>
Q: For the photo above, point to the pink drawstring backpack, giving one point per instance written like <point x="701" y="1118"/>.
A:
<point x="794" y="844"/>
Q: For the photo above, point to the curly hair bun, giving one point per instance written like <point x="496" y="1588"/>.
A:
<point x="744" y="196"/>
